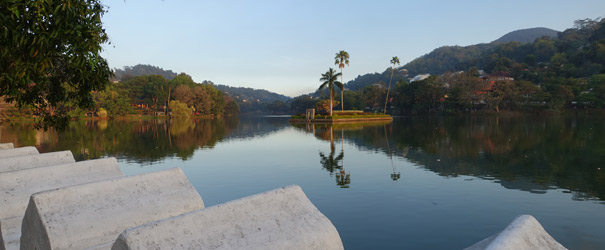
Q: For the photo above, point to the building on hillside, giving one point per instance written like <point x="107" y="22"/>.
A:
<point x="420" y="77"/>
<point x="497" y="77"/>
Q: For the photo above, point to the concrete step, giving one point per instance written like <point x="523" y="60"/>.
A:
<point x="279" y="219"/>
<point x="6" y="145"/>
<point x="23" y="151"/>
<point x="18" y="186"/>
<point x="36" y="161"/>
<point x="91" y="216"/>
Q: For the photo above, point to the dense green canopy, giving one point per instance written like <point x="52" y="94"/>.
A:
<point x="50" y="55"/>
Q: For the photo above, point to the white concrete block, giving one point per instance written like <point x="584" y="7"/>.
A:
<point x="18" y="186"/>
<point x="36" y="161"/>
<point x="10" y="233"/>
<point x="91" y="216"/>
<point x="279" y="219"/>
<point x="18" y="152"/>
<point x="525" y="232"/>
<point x="6" y="145"/>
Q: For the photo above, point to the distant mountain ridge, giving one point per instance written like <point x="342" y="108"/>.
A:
<point x="527" y="35"/>
<point x="455" y="58"/>
<point x="244" y="94"/>
<point x="239" y="94"/>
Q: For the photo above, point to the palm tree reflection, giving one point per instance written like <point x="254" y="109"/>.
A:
<point x="335" y="163"/>
<point x="395" y="175"/>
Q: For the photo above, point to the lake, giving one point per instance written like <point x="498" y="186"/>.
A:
<point x="415" y="183"/>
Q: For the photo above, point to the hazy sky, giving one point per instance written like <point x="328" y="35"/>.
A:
<point x="284" y="46"/>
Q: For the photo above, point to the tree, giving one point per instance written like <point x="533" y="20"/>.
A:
<point x="180" y="110"/>
<point x="371" y="95"/>
<point x="330" y="78"/>
<point x="301" y="103"/>
<point x="395" y="62"/>
<point x="50" y="56"/>
<point x="341" y="59"/>
<point x="181" y="79"/>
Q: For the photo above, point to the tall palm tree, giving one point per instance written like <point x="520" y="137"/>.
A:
<point x="341" y="59"/>
<point x="330" y="79"/>
<point x="395" y="62"/>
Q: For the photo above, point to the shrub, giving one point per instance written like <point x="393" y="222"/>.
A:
<point x="180" y="109"/>
<point x="102" y="113"/>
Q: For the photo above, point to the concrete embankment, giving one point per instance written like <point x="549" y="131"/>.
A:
<point x="14" y="152"/>
<point x="19" y="185"/>
<point x="525" y="232"/>
<point x="52" y="202"/>
<point x="36" y="161"/>
<point x="283" y="218"/>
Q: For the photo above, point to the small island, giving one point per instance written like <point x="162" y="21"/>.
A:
<point x="326" y="107"/>
<point x="345" y="116"/>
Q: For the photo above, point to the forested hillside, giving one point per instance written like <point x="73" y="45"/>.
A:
<point x="579" y="44"/>
<point x="527" y="35"/>
<point x="142" y="70"/>
<point x="548" y="74"/>
<point x="255" y="100"/>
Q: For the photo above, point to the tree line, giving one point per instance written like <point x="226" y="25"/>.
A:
<point x="155" y="95"/>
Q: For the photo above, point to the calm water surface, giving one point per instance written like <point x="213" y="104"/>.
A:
<point x="416" y="183"/>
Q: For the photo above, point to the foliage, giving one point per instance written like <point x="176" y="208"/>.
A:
<point x="102" y="113"/>
<point x="231" y="107"/>
<point x="526" y="35"/>
<point x="180" y="110"/>
<point x="341" y="59"/>
<point x="278" y="107"/>
<point x="149" y="94"/>
<point x="142" y="70"/>
<point x="301" y="103"/>
<point x="330" y="79"/>
<point x="251" y="100"/>
<point x="114" y="99"/>
<point x="323" y="106"/>
<point x="395" y="62"/>
<point x="50" y="56"/>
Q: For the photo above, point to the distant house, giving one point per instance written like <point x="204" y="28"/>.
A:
<point x="488" y="82"/>
<point x="420" y="77"/>
<point x="497" y="77"/>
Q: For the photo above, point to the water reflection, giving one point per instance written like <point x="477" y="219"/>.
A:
<point x="529" y="153"/>
<point x="335" y="163"/>
<point x="332" y="163"/>
<point x="140" y="141"/>
<point x="526" y="153"/>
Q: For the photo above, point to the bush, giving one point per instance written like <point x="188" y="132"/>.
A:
<point x="102" y="113"/>
<point x="180" y="109"/>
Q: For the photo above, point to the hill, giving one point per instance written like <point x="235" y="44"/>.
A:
<point x="459" y="58"/>
<point x="142" y="70"/>
<point x="243" y="94"/>
<point x="527" y="35"/>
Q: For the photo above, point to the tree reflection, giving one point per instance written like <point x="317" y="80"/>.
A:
<point x="395" y="175"/>
<point x="554" y="151"/>
<point x="332" y="162"/>
<point x="141" y="141"/>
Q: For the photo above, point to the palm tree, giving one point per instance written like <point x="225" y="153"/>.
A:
<point x="341" y="59"/>
<point x="395" y="62"/>
<point x="330" y="79"/>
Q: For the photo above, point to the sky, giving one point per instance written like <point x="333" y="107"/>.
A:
<point x="285" y="45"/>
